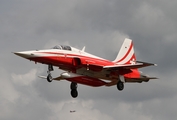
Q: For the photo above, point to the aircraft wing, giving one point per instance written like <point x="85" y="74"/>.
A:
<point x="57" y="78"/>
<point x="138" y="64"/>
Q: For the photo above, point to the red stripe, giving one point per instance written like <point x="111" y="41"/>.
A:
<point x="127" y="53"/>
<point x="133" y="57"/>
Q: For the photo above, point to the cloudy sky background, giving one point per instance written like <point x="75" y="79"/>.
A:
<point x="101" y="26"/>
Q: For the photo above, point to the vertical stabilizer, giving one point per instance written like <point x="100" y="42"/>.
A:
<point x="126" y="54"/>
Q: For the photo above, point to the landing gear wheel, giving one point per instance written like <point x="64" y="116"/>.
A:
<point x="120" y="85"/>
<point x="73" y="85"/>
<point x="74" y="93"/>
<point x="49" y="78"/>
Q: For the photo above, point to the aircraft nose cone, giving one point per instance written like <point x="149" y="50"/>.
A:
<point x="25" y="54"/>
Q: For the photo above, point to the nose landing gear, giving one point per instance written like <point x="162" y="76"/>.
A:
<point x="49" y="76"/>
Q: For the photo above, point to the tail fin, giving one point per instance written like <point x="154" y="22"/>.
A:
<point x="126" y="54"/>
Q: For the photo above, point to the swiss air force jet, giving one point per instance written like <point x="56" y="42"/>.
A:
<point x="83" y="68"/>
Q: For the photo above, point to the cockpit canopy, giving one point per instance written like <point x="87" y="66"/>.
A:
<point x="62" y="47"/>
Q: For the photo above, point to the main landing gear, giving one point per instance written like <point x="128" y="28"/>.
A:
<point x="49" y="76"/>
<point x="73" y="87"/>
<point x="120" y="85"/>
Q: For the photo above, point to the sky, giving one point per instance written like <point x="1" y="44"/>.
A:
<point x="101" y="26"/>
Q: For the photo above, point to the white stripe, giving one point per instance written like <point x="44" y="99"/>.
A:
<point x="128" y="57"/>
<point x="62" y="53"/>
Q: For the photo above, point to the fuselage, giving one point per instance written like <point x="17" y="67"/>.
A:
<point x="77" y="61"/>
<point x="84" y="68"/>
<point x="62" y="58"/>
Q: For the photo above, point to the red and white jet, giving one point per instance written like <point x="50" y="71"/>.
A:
<point x="87" y="69"/>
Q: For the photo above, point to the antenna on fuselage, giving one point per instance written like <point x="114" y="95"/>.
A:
<point x="83" y="49"/>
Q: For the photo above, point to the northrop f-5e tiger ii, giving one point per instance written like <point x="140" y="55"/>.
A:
<point x="83" y="68"/>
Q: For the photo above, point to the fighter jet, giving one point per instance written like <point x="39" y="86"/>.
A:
<point x="84" y="68"/>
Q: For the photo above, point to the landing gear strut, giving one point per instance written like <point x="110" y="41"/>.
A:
<point x="73" y="87"/>
<point x="49" y="76"/>
<point x="120" y="85"/>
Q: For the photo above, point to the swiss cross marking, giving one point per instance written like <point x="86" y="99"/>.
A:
<point x="132" y="61"/>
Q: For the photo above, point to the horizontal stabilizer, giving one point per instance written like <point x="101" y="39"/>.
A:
<point x="147" y="64"/>
<point x="152" y="78"/>
<point x="141" y="79"/>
